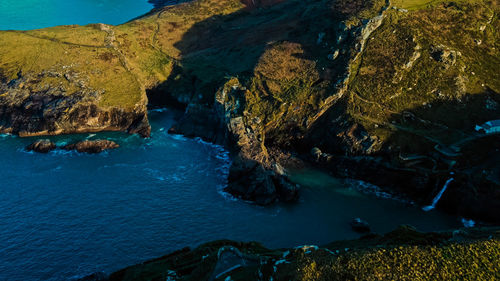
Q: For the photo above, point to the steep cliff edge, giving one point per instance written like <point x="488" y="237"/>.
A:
<point x="67" y="80"/>
<point x="403" y="254"/>
<point x="384" y="92"/>
<point x="388" y="93"/>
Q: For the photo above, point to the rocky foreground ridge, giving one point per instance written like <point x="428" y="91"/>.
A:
<point x="404" y="254"/>
<point x="387" y="92"/>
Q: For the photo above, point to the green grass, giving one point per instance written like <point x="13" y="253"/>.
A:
<point x="403" y="254"/>
<point x="423" y="4"/>
<point x="141" y="58"/>
<point x="448" y="98"/>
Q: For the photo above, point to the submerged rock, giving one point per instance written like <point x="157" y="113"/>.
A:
<point x="360" y="225"/>
<point x="41" y="146"/>
<point x="92" y="146"/>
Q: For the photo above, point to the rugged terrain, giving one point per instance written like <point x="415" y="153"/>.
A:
<point x="385" y="92"/>
<point x="404" y="254"/>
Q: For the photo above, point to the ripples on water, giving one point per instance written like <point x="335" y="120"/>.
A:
<point x="66" y="214"/>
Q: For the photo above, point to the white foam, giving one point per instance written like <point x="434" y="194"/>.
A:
<point x="427" y="208"/>
<point x="25" y="151"/>
<point x="307" y="248"/>
<point x="468" y="223"/>
<point x="179" y="137"/>
<point x="61" y="143"/>
<point x="57" y="168"/>
<point x="226" y="195"/>
<point x="371" y="189"/>
<point x="163" y="109"/>
<point x="278" y="262"/>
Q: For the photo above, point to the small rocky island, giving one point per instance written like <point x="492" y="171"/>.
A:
<point x="389" y="92"/>
<point x="85" y="146"/>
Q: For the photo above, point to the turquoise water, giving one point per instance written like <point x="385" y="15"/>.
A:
<point x="64" y="215"/>
<point x="34" y="14"/>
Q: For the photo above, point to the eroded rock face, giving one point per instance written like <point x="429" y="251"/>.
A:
<point x="249" y="180"/>
<point x="92" y="146"/>
<point x="52" y="111"/>
<point x="41" y="146"/>
<point x="286" y="190"/>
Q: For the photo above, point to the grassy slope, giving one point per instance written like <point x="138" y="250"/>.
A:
<point x="286" y="73"/>
<point x="447" y="97"/>
<point x="214" y="40"/>
<point x="80" y="50"/>
<point x="403" y="254"/>
<point x="120" y="61"/>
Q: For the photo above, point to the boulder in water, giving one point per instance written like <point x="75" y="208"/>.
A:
<point x="92" y="146"/>
<point x="41" y="146"/>
<point x="360" y="225"/>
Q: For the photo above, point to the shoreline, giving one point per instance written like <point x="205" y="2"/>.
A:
<point x="230" y="260"/>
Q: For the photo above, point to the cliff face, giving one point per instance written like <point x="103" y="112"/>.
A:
<point x="388" y="93"/>
<point x="385" y="92"/>
<point x="27" y="110"/>
<point x="68" y="80"/>
<point x="403" y="254"/>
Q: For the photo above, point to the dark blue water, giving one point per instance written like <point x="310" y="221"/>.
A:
<point x="65" y="215"/>
<point x="33" y="14"/>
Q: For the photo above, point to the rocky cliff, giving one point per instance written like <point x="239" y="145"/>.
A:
<point x="387" y="92"/>
<point x="403" y="254"/>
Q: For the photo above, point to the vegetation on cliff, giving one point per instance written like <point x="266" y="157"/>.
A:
<point x="403" y="254"/>
<point x="386" y="91"/>
<point x="386" y="88"/>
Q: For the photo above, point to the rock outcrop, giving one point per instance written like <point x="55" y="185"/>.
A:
<point x="41" y="146"/>
<point x="91" y="146"/>
<point x="28" y="112"/>
<point x="291" y="102"/>
<point x="374" y="86"/>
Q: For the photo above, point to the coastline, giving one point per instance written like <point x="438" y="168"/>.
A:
<point x="451" y="254"/>
<point x="333" y="88"/>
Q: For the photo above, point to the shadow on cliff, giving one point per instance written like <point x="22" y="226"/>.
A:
<point x="454" y="150"/>
<point x="225" y="46"/>
<point x="280" y="52"/>
<point x="424" y="147"/>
